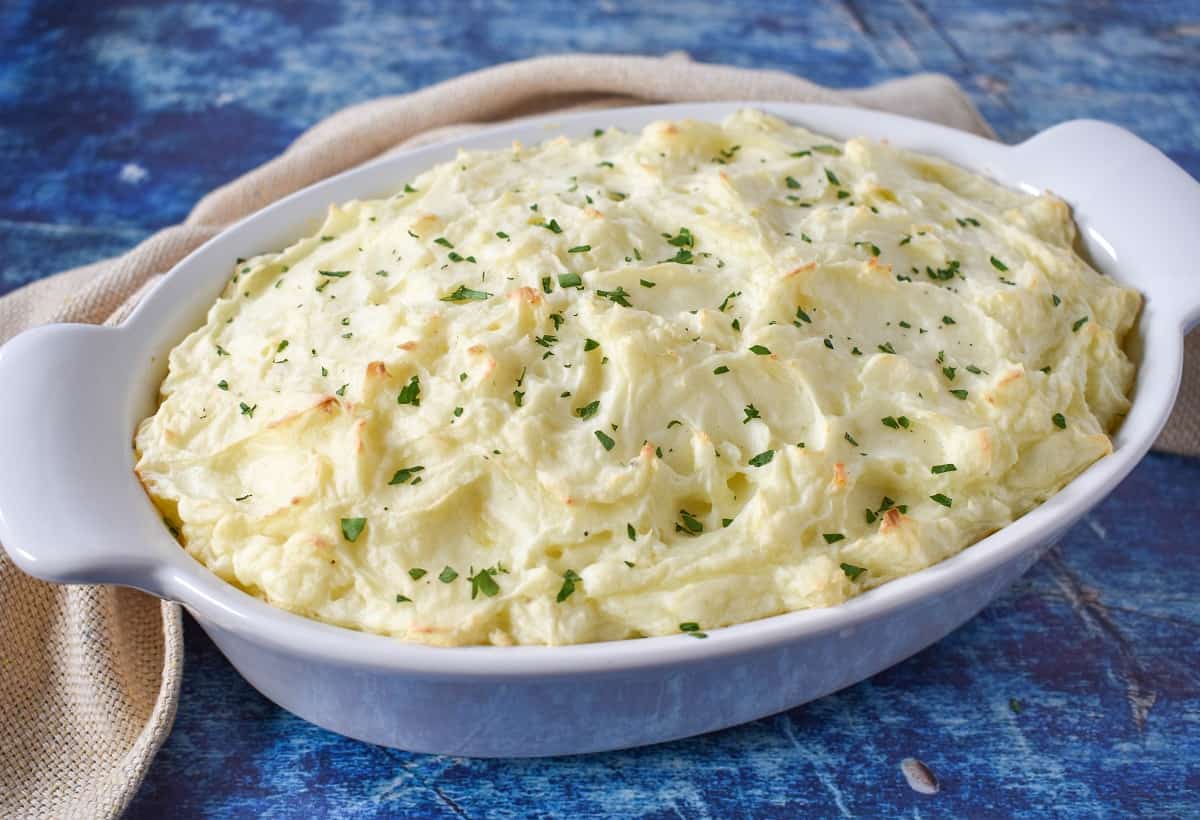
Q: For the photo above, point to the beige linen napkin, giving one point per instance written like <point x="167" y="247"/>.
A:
<point x="89" y="676"/>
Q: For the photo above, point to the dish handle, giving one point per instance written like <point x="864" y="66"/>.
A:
<point x="1130" y="176"/>
<point x="71" y="509"/>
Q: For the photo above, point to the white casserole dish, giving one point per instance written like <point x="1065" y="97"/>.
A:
<point x="71" y="510"/>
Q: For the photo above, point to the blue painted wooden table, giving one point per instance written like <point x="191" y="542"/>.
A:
<point x="1078" y="692"/>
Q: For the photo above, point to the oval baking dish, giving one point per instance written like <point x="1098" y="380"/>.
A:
<point x="71" y="510"/>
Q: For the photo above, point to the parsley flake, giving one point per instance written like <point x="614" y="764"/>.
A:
<point x="411" y="393"/>
<point x="570" y="578"/>
<point x="763" y="458"/>
<point x="405" y="475"/>
<point x="352" y="528"/>
<point x="852" y="572"/>
<point x="466" y="294"/>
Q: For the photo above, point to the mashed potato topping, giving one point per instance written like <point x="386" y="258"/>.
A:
<point x="636" y="384"/>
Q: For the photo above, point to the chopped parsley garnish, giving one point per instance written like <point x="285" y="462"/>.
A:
<point x="792" y="182"/>
<point x="646" y="283"/>
<point x="850" y="439"/>
<point x="674" y="423"/>
<point x="619" y="296"/>
<point x="607" y="442"/>
<point x="352" y="528"/>
<point x="590" y="344"/>
<point x="1054" y="298"/>
<point x="959" y="394"/>
<point x="570" y="577"/>
<point x="689" y="626"/>
<point x="416" y="573"/>
<point x="759" y="350"/>
<point x="949" y="372"/>
<point x="944" y="500"/>
<point x="447" y="575"/>
<point x="485" y="582"/>
<point x="832" y="537"/>
<point x="890" y="421"/>
<point x="244" y="497"/>
<point x="408" y="189"/>
<point x="802" y="316"/>
<point x="552" y="226"/>
<point x="465" y="294"/>
<point x="691" y="524"/>
<point x="503" y="235"/>
<point x="579" y="249"/>
<point x="336" y="274"/>
<point x="948" y="320"/>
<point x="937" y="469"/>
<point x="403" y="599"/>
<point x="943" y="274"/>
<point x="222" y="351"/>
<point x="683" y="239"/>
<point x="763" y="458"/>
<point x="588" y="410"/>
<point x="444" y="242"/>
<point x="682" y="257"/>
<point x="1060" y="421"/>
<point x="570" y="280"/>
<point x="519" y="398"/>
<point x="405" y="475"/>
<point x="411" y="393"/>
<point x="248" y="409"/>
<point x="907" y="238"/>
<point x="998" y="265"/>
<point x="751" y="413"/>
<point x="852" y="572"/>
<point x="1078" y="324"/>
<point x="886" y="347"/>
<point x="341" y="391"/>
<point x="223" y="385"/>
<point x="832" y="177"/>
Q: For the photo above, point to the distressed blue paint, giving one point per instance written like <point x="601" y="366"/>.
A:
<point x="1099" y="642"/>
